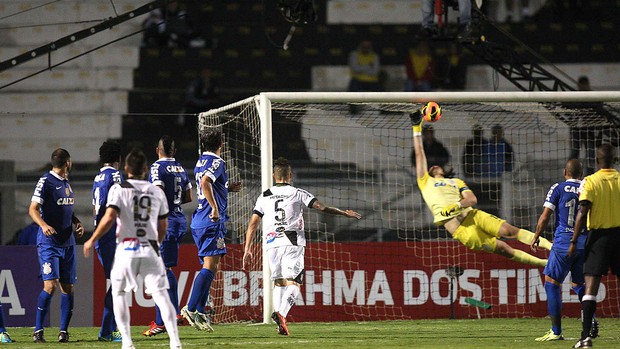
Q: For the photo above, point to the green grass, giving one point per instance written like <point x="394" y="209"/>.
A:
<point x="485" y="333"/>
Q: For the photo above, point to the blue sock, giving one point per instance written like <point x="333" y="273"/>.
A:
<point x="205" y="293"/>
<point x="43" y="305"/>
<point x="201" y="285"/>
<point x="66" y="310"/>
<point x="554" y="306"/>
<point x="107" y="322"/>
<point x="2" y="329"/>
<point x="174" y="298"/>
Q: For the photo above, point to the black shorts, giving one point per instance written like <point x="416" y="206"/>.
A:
<point x="602" y="252"/>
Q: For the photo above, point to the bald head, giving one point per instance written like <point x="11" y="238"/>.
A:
<point x="573" y="169"/>
<point x="605" y="155"/>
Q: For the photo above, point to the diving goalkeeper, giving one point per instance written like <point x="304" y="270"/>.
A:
<point x="451" y="202"/>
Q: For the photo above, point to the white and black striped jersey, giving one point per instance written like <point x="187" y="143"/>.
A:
<point x="140" y="205"/>
<point x="281" y="209"/>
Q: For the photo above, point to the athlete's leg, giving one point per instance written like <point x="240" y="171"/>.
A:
<point x="168" y="314"/>
<point x="503" y="249"/>
<point x="509" y="231"/>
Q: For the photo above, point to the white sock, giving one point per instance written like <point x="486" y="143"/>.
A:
<point x="288" y="299"/>
<point x="122" y="317"/>
<point x="278" y="291"/>
<point x="168" y="314"/>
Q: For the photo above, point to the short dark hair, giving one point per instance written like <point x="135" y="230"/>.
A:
<point x="60" y="157"/>
<point x="136" y="162"/>
<point x="211" y="139"/>
<point x="166" y="144"/>
<point x="574" y="168"/>
<point x="281" y="168"/>
<point x="605" y="155"/>
<point x="110" y="152"/>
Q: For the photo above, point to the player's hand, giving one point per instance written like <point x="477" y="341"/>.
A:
<point x="48" y="230"/>
<point x="534" y="244"/>
<point x="88" y="245"/>
<point x="416" y="118"/>
<point x="448" y="210"/>
<point x="235" y="187"/>
<point x="215" y="215"/>
<point x="353" y="214"/>
<point x="571" y="250"/>
<point x="79" y="229"/>
<point x="247" y="258"/>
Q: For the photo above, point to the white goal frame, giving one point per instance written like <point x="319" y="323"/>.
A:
<point x="264" y="101"/>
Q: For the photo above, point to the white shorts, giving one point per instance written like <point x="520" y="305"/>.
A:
<point x="286" y="262"/>
<point x="124" y="273"/>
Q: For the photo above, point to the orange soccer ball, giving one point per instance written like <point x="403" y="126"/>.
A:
<point x="431" y="112"/>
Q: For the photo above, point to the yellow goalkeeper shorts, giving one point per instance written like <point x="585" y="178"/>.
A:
<point x="479" y="231"/>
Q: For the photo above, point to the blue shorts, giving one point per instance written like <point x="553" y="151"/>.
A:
<point x="210" y="241"/>
<point x="106" y="251"/>
<point x="559" y="264"/>
<point x="57" y="263"/>
<point x="169" y="248"/>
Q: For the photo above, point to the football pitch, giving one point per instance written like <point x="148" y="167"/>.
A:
<point x="485" y="333"/>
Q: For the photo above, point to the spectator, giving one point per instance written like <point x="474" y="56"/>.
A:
<point x="168" y="27"/>
<point x="202" y="93"/>
<point x="513" y="6"/>
<point x="436" y="153"/>
<point x="456" y="73"/>
<point x="472" y="155"/>
<point x="497" y="154"/>
<point x="428" y="13"/>
<point x="420" y="69"/>
<point x="580" y="133"/>
<point x="364" y="65"/>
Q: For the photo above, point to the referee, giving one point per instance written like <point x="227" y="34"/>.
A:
<point x="599" y="201"/>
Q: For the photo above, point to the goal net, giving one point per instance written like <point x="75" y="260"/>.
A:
<point x="354" y="151"/>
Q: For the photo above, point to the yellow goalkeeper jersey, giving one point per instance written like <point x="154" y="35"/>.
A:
<point x="441" y="192"/>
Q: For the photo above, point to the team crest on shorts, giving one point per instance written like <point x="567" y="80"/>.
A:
<point x="220" y="243"/>
<point x="47" y="268"/>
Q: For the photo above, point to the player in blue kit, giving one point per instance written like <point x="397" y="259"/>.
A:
<point x="51" y="208"/>
<point x="208" y="223"/>
<point x="110" y="156"/>
<point x="171" y="177"/>
<point x="561" y="202"/>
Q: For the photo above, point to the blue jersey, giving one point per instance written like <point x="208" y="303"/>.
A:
<point x="55" y="196"/>
<point x="101" y="186"/>
<point x="214" y="167"/>
<point x="563" y="199"/>
<point x="170" y="175"/>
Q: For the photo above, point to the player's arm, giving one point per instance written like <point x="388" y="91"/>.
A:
<point x="206" y="184"/>
<point x="249" y="237"/>
<point x="187" y="196"/>
<point x="543" y="220"/>
<point x="35" y="213"/>
<point x="418" y="148"/>
<point x="162" y="227"/>
<point x="335" y="210"/>
<point x="580" y="223"/>
<point x="106" y="222"/>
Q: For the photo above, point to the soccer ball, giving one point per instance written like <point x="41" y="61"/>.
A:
<point x="431" y="112"/>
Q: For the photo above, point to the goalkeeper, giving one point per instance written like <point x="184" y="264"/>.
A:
<point x="451" y="202"/>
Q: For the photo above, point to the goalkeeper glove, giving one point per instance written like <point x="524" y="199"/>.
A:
<point x="416" y="121"/>
<point x="446" y="211"/>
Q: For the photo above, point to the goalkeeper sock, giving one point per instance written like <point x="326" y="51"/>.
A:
<point x="278" y="292"/>
<point x="523" y="257"/>
<point x="526" y="237"/>
<point x="288" y="299"/>
<point x="554" y="306"/>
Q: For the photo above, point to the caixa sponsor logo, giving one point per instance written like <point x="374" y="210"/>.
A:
<point x="271" y="236"/>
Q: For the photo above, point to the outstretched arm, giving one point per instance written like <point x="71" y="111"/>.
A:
<point x="335" y="210"/>
<point x="418" y="148"/>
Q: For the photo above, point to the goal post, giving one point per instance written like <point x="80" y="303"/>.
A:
<point x="353" y="150"/>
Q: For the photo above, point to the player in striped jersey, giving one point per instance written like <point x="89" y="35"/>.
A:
<point x="281" y="209"/>
<point x="110" y="156"/>
<point x="171" y="177"/>
<point x="208" y="223"/>
<point x="451" y="202"/>
<point x="562" y="201"/>
<point x="141" y="210"/>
